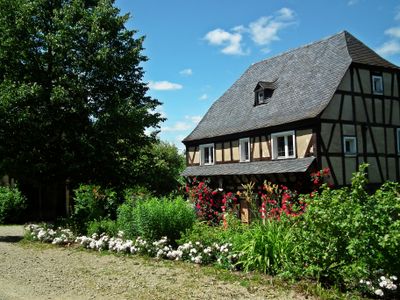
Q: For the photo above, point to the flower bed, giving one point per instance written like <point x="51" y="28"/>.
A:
<point x="194" y="252"/>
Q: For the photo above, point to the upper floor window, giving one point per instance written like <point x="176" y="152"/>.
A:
<point x="207" y="154"/>
<point x="377" y="84"/>
<point x="263" y="91"/>
<point x="244" y="149"/>
<point x="283" y="145"/>
<point x="350" y="145"/>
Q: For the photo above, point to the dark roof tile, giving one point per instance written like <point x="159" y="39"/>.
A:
<point x="258" y="167"/>
<point x="307" y="79"/>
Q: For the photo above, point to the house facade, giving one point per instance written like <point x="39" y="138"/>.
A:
<point x="333" y="103"/>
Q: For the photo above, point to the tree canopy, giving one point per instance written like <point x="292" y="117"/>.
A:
<point x="72" y="101"/>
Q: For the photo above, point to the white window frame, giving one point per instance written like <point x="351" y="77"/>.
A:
<point x="242" y="142"/>
<point x="374" y="91"/>
<point x="202" y="153"/>
<point x="398" y="141"/>
<point x="354" y="140"/>
<point x="274" y="144"/>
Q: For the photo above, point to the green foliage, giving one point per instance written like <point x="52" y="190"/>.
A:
<point x="268" y="248"/>
<point x="208" y="235"/>
<point x="103" y="226"/>
<point x="154" y="218"/>
<point x="12" y="205"/>
<point x="160" y="165"/>
<point x="346" y="234"/>
<point x="70" y="72"/>
<point x="126" y="219"/>
<point x="92" y="203"/>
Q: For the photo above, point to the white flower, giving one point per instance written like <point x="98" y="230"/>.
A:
<point x="394" y="278"/>
<point x="379" y="292"/>
<point x="362" y="281"/>
<point x="382" y="278"/>
<point x="383" y="283"/>
<point x="368" y="282"/>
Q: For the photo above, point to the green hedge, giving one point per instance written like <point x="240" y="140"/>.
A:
<point x="12" y="205"/>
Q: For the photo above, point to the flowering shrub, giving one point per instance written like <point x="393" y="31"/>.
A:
<point x="383" y="286"/>
<point x="210" y="204"/>
<point x="193" y="252"/>
<point x="46" y="234"/>
<point x="277" y="200"/>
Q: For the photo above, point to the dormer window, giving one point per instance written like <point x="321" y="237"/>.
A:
<point x="264" y="91"/>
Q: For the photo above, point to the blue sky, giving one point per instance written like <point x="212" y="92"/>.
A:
<point x="197" y="49"/>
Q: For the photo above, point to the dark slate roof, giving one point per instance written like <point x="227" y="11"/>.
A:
<point x="257" y="167"/>
<point x="305" y="78"/>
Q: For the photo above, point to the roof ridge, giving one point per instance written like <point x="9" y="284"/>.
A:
<point x="355" y="54"/>
<point x="303" y="46"/>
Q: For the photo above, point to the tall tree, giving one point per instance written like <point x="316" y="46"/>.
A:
<point x="72" y="101"/>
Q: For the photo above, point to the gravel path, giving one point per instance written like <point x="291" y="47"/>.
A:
<point x="31" y="271"/>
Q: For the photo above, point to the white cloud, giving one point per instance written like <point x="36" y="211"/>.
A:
<point x="352" y="2"/>
<point x="186" y="72"/>
<point x="230" y="41"/>
<point x="193" y="119"/>
<point x="389" y="48"/>
<point x="178" y="126"/>
<point x="394" y="32"/>
<point x="285" y="13"/>
<point x="203" y="97"/>
<point x="265" y="29"/>
<point x="164" y="86"/>
<point x="262" y="31"/>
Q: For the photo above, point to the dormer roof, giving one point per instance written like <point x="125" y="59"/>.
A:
<point x="266" y="85"/>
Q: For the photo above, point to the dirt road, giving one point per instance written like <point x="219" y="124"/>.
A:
<point x="32" y="271"/>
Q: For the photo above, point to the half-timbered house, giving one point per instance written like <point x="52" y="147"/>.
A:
<point x="333" y="103"/>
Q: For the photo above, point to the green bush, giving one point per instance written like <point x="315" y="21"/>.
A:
<point x="154" y="218"/>
<point x="208" y="235"/>
<point x="346" y="235"/>
<point x="268" y="248"/>
<point x="106" y="226"/>
<point x="91" y="203"/>
<point x="126" y="220"/>
<point x="12" y="205"/>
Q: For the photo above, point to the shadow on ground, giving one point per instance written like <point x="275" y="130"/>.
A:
<point x="10" y="239"/>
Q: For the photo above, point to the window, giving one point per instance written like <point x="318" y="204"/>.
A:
<point x="398" y="140"/>
<point x="262" y="95"/>
<point x="207" y="154"/>
<point x="244" y="149"/>
<point x="377" y="84"/>
<point x="283" y="145"/>
<point x="350" y="145"/>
